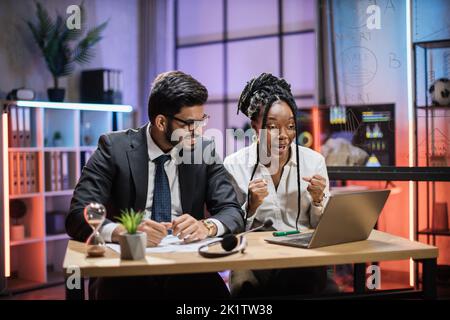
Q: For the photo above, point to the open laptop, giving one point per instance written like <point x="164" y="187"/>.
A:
<point x="347" y="217"/>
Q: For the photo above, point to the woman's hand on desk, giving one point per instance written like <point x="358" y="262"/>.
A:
<point x="155" y="231"/>
<point x="189" y="229"/>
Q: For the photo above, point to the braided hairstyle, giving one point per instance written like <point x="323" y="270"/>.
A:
<point x="258" y="96"/>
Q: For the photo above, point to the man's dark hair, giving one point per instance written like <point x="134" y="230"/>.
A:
<point x="173" y="90"/>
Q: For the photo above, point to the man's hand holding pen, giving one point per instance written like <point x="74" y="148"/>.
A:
<point x="185" y="227"/>
<point x="189" y="229"/>
<point x="155" y="231"/>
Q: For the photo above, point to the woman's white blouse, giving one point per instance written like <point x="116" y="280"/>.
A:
<point x="281" y="204"/>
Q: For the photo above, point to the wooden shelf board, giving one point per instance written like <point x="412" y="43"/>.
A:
<point x="60" y="149"/>
<point x="25" y="195"/>
<point x="56" y="237"/>
<point x="434" y="107"/>
<point x="16" y="285"/>
<point x="59" y="193"/>
<point x="435" y="232"/>
<point x="435" y="44"/>
<point x="388" y="173"/>
<point x="25" y="241"/>
<point x="24" y="149"/>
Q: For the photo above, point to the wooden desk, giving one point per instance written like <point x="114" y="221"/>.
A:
<point x="260" y="255"/>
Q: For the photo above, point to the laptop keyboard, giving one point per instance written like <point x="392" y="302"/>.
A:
<point x="303" y="240"/>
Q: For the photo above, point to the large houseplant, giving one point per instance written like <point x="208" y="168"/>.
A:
<point x="61" y="47"/>
<point x="132" y="242"/>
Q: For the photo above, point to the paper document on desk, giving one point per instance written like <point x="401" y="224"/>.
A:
<point x="171" y="243"/>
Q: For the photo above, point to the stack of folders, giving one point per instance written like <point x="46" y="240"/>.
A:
<point x="112" y="86"/>
<point x="57" y="176"/>
<point x="23" y="173"/>
<point x="19" y="127"/>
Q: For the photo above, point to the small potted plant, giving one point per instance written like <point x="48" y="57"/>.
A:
<point x="132" y="242"/>
<point x="57" y="139"/>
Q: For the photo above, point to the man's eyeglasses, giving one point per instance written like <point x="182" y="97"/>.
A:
<point x="193" y="124"/>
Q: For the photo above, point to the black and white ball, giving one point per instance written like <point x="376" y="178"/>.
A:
<point x="440" y="92"/>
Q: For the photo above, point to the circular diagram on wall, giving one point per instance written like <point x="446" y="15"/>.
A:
<point x="359" y="66"/>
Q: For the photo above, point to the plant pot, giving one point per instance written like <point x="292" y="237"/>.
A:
<point x="17" y="232"/>
<point x="58" y="142"/>
<point x="132" y="246"/>
<point x="56" y="95"/>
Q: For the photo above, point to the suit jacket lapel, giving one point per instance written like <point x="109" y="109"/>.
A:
<point x="138" y="161"/>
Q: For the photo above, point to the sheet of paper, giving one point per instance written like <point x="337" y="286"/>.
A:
<point x="170" y="243"/>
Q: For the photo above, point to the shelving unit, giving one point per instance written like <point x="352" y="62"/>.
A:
<point x="432" y="141"/>
<point x="37" y="259"/>
<point x="434" y="232"/>
<point x="389" y="173"/>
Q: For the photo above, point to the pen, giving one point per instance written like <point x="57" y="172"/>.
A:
<point x="284" y="233"/>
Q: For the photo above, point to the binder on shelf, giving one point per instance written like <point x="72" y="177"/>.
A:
<point x="49" y="172"/>
<point x="11" y="174"/>
<point x="110" y="80"/>
<point x="20" y="128"/>
<point x="27" y="126"/>
<point x="22" y="169"/>
<point x="105" y="81"/>
<point x="101" y="86"/>
<point x="16" y="172"/>
<point x="13" y="133"/>
<point x="33" y="172"/>
<point x="54" y="172"/>
<point x="27" y="168"/>
<point x="58" y="170"/>
<point x="65" y="171"/>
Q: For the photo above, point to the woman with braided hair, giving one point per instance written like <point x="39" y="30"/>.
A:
<point x="276" y="178"/>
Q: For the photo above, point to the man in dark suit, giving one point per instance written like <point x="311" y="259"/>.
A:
<point x="141" y="169"/>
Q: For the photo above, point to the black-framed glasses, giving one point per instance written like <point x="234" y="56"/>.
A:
<point x="193" y="124"/>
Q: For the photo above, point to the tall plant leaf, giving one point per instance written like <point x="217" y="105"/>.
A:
<point x="83" y="52"/>
<point x="54" y="40"/>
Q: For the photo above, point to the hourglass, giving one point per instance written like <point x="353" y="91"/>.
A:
<point x="95" y="214"/>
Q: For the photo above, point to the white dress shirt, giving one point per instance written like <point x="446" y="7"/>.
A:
<point x="281" y="203"/>
<point x="172" y="174"/>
